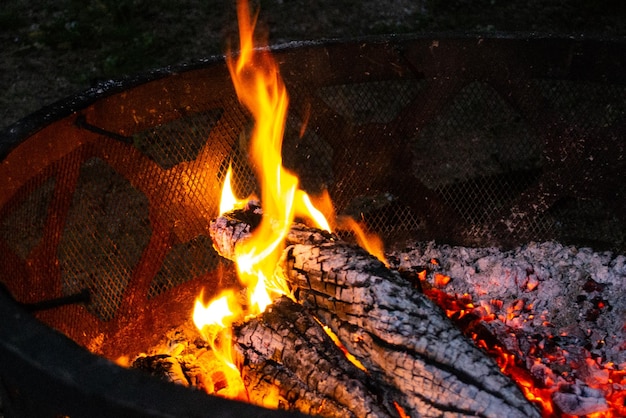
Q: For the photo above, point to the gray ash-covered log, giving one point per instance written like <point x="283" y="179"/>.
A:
<point x="288" y="357"/>
<point x="399" y="335"/>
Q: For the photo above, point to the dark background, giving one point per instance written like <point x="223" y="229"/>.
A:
<point x="51" y="50"/>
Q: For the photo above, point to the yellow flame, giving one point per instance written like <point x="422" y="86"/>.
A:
<point x="228" y="200"/>
<point x="220" y="312"/>
<point x="306" y="209"/>
<point x="342" y="347"/>
<point x="214" y="320"/>
<point x="261" y="89"/>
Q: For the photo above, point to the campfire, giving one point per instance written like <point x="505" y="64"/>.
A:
<point x="255" y="198"/>
<point x="322" y="327"/>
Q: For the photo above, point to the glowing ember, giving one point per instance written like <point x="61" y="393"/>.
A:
<point x="214" y="321"/>
<point x="441" y="279"/>
<point x="513" y="305"/>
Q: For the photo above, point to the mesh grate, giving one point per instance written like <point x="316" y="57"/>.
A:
<point x="588" y="105"/>
<point x="107" y="228"/>
<point x="478" y="136"/>
<point x="23" y="229"/>
<point x="186" y="260"/>
<point x="373" y="102"/>
<point x="414" y="144"/>
<point x="181" y="140"/>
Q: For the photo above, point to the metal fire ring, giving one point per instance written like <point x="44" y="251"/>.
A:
<point x="468" y="140"/>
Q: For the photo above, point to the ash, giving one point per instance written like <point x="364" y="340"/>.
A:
<point x="559" y="309"/>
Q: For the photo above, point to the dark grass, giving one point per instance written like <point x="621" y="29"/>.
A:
<point x="54" y="49"/>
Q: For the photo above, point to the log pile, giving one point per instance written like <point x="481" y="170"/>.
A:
<point x="414" y="356"/>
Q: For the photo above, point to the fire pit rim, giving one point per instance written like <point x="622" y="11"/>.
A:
<point x="23" y="129"/>
<point x="15" y="133"/>
<point x="70" y="369"/>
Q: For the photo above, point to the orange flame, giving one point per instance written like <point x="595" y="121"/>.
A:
<point x="260" y="88"/>
<point x="370" y="242"/>
<point x="228" y="200"/>
<point x="400" y="410"/>
<point x="214" y="321"/>
<point x="342" y="347"/>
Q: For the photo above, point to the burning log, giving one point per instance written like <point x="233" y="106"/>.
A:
<point x="399" y="335"/>
<point x="285" y="350"/>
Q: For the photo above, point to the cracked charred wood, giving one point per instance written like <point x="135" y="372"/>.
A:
<point x="233" y="227"/>
<point x="288" y="361"/>
<point x="396" y="332"/>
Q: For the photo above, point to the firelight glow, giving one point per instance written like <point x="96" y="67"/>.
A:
<point x="228" y="200"/>
<point x="260" y="88"/>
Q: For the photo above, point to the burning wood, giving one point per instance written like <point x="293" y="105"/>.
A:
<point x="396" y="351"/>
<point x="285" y="350"/>
<point x="398" y="334"/>
<point x="556" y="310"/>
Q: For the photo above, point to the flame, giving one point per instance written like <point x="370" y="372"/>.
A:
<point x="228" y="200"/>
<point x="342" y="347"/>
<point x="260" y="88"/>
<point x="400" y="410"/>
<point x="214" y="321"/>
<point x="370" y="242"/>
<point x="216" y="315"/>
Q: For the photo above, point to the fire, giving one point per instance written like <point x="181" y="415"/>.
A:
<point x="372" y="243"/>
<point x="343" y="349"/>
<point x="260" y="88"/>
<point x="401" y="412"/>
<point x="215" y="316"/>
<point x="214" y="320"/>
<point x="228" y="200"/>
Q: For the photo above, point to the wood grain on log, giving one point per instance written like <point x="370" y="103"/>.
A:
<point x="397" y="333"/>
<point x="284" y="349"/>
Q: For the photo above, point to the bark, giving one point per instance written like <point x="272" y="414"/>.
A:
<point x="286" y="355"/>
<point x="397" y="333"/>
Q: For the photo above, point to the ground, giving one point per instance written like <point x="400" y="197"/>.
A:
<point x="51" y="50"/>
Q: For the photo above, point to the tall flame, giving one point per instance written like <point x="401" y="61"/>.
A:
<point x="261" y="89"/>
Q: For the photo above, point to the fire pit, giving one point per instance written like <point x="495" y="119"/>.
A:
<point x="106" y="198"/>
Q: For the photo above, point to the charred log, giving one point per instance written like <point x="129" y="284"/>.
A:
<point x="285" y="354"/>
<point x="396" y="332"/>
<point x="399" y="333"/>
